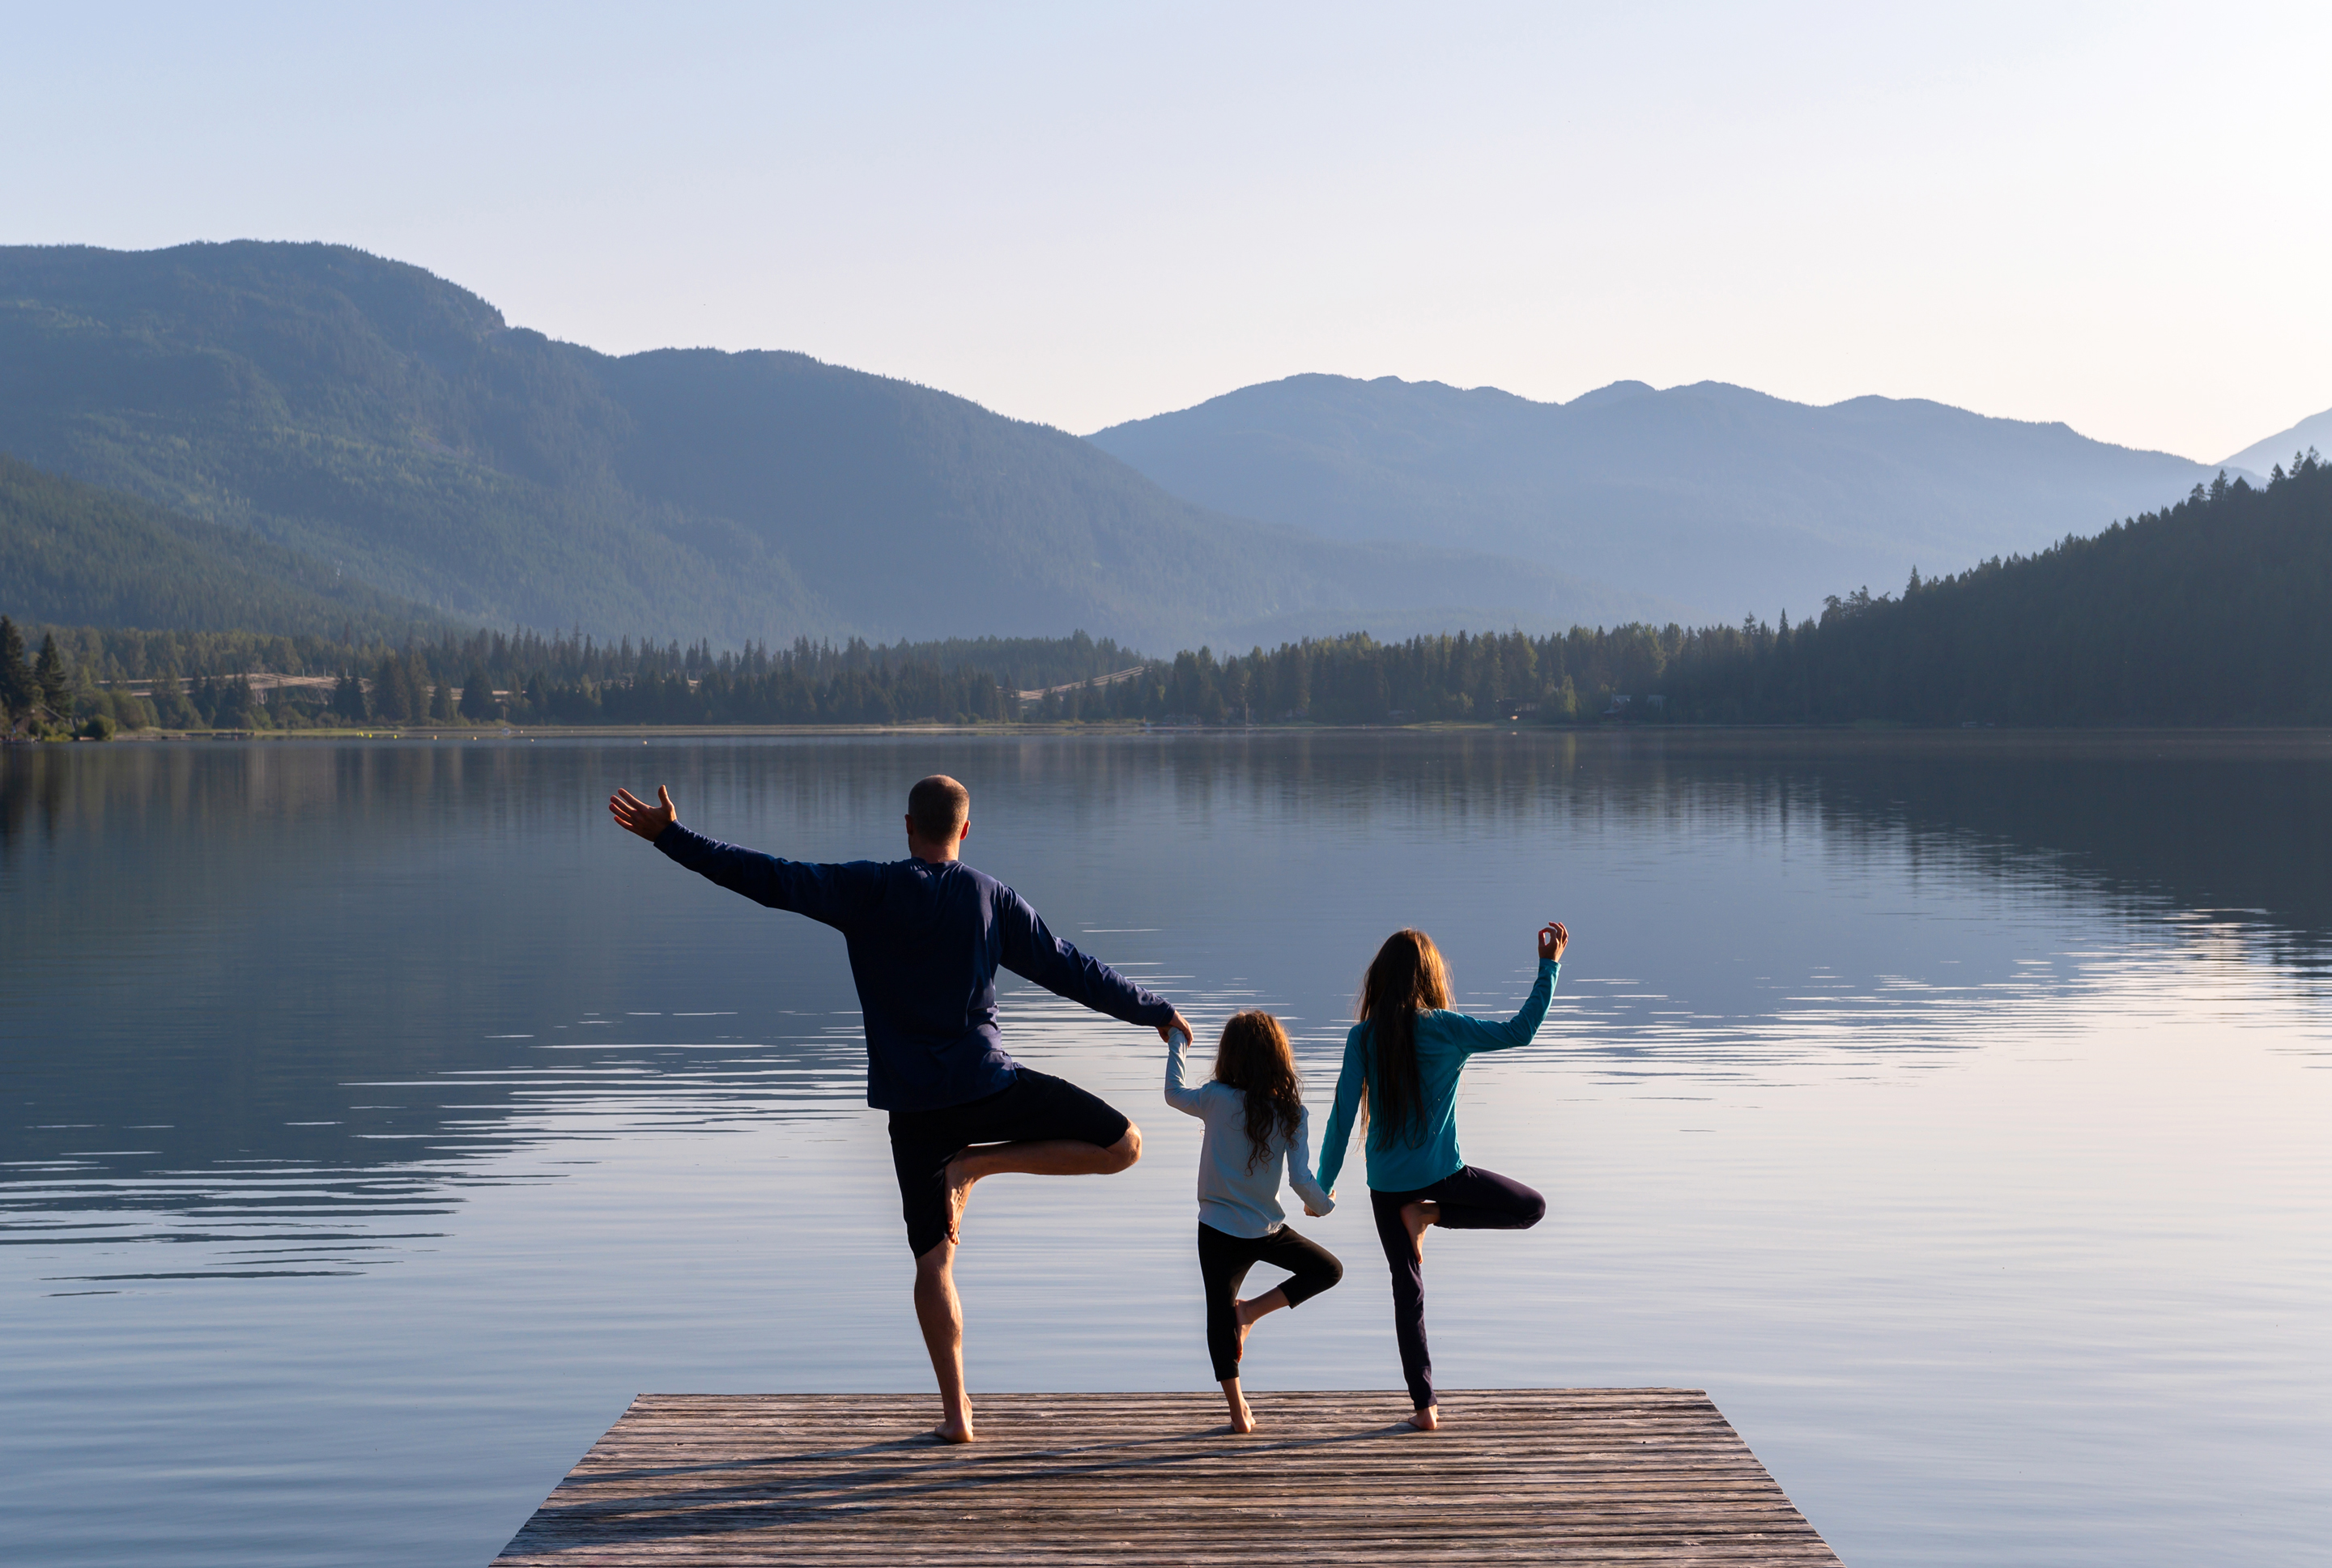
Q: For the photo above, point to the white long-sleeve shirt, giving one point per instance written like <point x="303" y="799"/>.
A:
<point x="1233" y="1198"/>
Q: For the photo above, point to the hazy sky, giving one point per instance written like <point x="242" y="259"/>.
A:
<point x="2111" y="214"/>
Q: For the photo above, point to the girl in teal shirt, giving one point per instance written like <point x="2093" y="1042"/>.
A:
<point x="1404" y="1058"/>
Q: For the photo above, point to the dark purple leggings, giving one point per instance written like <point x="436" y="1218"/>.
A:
<point x="1471" y="1198"/>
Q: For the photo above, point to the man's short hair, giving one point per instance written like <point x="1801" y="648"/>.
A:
<point x="937" y="806"/>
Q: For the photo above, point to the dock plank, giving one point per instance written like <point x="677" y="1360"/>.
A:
<point x="1645" y="1477"/>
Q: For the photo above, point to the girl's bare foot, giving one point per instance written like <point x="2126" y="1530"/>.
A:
<point x="1246" y="1325"/>
<point x="1414" y="1218"/>
<point x="959" y="1183"/>
<point x="952" y="1432"/>
<point x="1428" y="1417"/>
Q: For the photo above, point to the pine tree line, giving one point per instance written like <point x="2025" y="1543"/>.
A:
<point x="203" y="681"/>
<point x="37" y="698"/>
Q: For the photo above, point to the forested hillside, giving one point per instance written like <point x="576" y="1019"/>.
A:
<point x="2215" y="611"/>
<point x="363" y="413"/>
<point x="78" y="554"/>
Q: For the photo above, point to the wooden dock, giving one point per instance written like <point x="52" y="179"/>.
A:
<point x="1637" y="1476"/>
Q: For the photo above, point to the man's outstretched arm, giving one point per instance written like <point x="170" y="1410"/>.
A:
<point x="827" y="893"/>
<point x="1034" y="952"/>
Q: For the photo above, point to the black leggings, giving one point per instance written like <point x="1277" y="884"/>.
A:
<point x="1223" y="1262"/>
<point x="1471" y="1198"/>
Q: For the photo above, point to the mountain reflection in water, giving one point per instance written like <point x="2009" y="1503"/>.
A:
<point x="281" y="1004"/>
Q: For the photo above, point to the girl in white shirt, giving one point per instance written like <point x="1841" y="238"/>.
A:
<point x="1256" y="1127"/>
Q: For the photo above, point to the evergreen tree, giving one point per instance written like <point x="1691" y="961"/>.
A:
<point x="233" y="710"/>
<point x="349" y="698"/>
<point x="50" y="678"/>
<point x="171" y="710"/>
<point x="17" y="692"/>
<point x="441" y="703"/>
<point x="478" y="696"/>
<point x="388" y="703"/>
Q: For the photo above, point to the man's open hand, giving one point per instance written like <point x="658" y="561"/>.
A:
<point x="635" y="815"/>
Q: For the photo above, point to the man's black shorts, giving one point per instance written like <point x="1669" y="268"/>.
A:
<point x="1037" y="1106"/>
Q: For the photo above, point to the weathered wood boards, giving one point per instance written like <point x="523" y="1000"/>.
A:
<point x="1643" y="1476"/>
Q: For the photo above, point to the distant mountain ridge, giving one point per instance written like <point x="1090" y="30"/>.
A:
<point x="2314" y="433"/>
<point x="1726" y="498"/>
<point x="367" y="414"/>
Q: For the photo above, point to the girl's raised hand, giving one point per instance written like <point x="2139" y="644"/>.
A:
<point x="1552" y="938"/>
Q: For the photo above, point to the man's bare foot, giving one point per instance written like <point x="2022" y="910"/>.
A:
<point x="1414" y="1217"/>
<point x="958" y="1185"/>
<point x="1242" y="1418"/>
<point x="952" y="1432"/>
<point x="1426" y="1418"/>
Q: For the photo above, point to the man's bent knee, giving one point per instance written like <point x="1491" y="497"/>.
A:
<point x="1126" y="1151"/>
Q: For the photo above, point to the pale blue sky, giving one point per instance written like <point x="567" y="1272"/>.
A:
<point x="2111" y="214"/>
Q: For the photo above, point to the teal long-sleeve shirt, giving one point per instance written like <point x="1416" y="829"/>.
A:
<point x="1444" y="1041"/>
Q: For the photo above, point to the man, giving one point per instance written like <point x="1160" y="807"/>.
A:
<point x="926" y="935"/>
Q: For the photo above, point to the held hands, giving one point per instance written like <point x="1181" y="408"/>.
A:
<point x="1174" y="1026"/>
<point x="635" y="815"/>
<point x="1552" y="938"/>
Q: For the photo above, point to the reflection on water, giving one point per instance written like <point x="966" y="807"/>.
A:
<point x="400" y="1161"/>
<point x="289" y="1026"/>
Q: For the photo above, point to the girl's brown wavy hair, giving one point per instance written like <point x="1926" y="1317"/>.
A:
<point x="1406" y="977"/>
<point x="1256" y="1059"/>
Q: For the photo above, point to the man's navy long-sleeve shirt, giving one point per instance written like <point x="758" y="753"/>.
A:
<point x="925" y="939"/>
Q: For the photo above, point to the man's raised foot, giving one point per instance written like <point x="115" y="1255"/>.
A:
<point x="959" y="1179"/>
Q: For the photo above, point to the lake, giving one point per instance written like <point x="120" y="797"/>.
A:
<point x="1952" y="1107"/>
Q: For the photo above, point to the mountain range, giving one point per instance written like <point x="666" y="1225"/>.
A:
<point x="309" y="433"/>
<point x="1730" y="499"/>
<point x="386" y="426"/>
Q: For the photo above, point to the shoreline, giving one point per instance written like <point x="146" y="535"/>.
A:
<point x="1956" y="736"/>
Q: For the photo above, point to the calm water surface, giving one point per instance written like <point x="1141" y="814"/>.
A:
<point x="375" y="1119"/>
